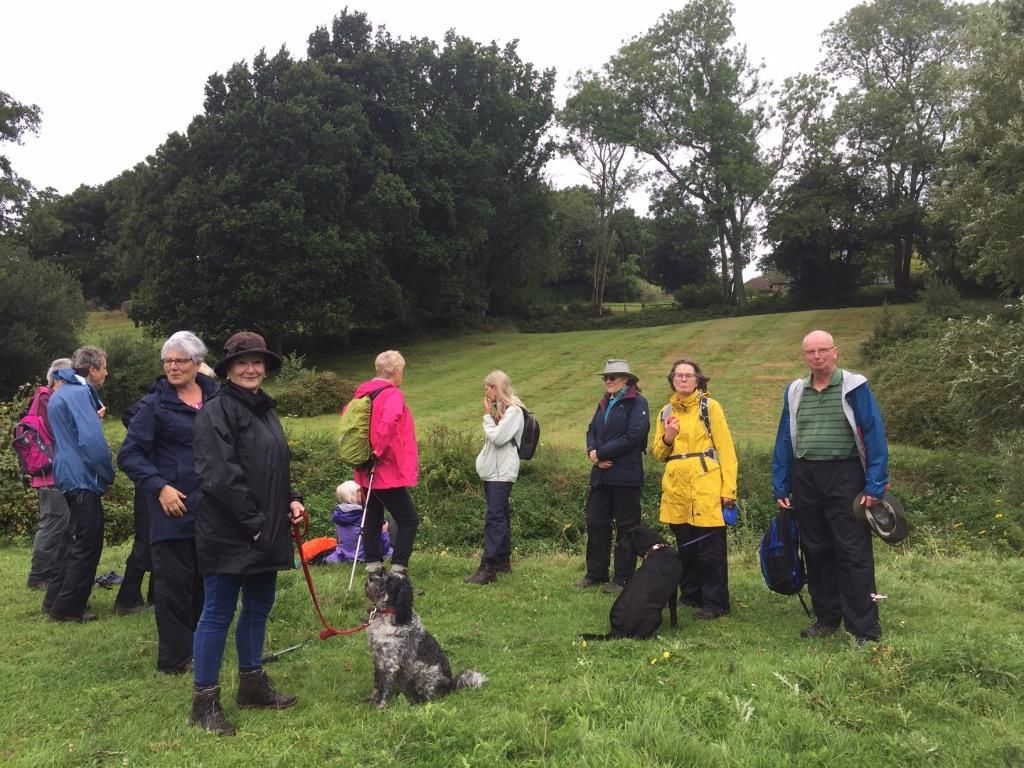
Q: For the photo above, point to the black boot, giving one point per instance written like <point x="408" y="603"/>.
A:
<point x="503" y="566"/>
<point x="207" y="712"/>
<point x="255" y="691"/>
<point x="485" y="574"/>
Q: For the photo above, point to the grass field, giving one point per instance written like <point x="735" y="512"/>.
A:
<point x="943" y="688"/>
<point x="749" y="360"/>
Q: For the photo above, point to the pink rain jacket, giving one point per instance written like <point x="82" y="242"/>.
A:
<point x="393" y="437"/>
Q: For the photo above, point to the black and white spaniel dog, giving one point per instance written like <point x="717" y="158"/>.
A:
<point x="406" y="657"/>
<point x="637" y="612"/>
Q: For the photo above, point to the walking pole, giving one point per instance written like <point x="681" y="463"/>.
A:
<point x="362" y="524"/>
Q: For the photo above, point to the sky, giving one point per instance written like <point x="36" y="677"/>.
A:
<point x="113" y="78"/>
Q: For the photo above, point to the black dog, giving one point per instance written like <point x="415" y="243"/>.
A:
<point x="637" y="611"/>
<point x="406" y="657"/>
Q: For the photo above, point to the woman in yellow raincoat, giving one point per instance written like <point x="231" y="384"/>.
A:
<point x="693" y="438"/>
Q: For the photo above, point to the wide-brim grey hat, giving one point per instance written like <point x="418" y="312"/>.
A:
<point x="245" y="343"/>
<point x="616" y="367"/>
<point x="886" y="519"/>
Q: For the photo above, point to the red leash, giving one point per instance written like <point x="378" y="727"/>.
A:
<point x="328" y="630"/>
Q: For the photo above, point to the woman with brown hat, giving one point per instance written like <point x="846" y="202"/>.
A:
<point x="616" y="440"/>
<point x="242" y="528"/>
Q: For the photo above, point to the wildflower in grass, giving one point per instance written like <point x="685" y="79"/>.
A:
<point x="999" y="516"/>
<point x="654" y="660"/>
<point x="983" y="531"/>
<point x="666" y="655"/>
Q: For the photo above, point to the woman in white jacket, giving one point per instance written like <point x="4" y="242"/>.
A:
<point x="498" y="467"/>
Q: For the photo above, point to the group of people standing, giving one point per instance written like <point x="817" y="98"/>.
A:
<point x="211" y="468"/>
<point x="830" y="451"/>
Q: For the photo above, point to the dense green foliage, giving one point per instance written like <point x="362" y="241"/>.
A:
<point x="41" y="314"/>
<point x="16" y="119"/>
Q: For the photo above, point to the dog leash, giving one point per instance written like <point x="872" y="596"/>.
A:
<point x="328" y="630"/>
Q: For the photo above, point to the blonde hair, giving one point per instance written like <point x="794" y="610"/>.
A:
<point x="503" y="392"/>
<point x="388" y="363"/>
<point x="348" y="492"/>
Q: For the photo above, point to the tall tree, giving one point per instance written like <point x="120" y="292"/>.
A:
<point x="592" y="120"/>
<point x="901" y="57"/>
<point x="980" y="195"/>
<point x="16" y="119"/>
<point x="700" y="111"/>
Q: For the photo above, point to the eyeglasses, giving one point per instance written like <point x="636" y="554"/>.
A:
<point x="684" y="376"/>
<point x="818" y="351"/>
<point x="179" y="361"/>
<point x="612" y="377"/>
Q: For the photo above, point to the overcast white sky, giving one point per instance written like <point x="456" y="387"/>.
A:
<point x="114" y="77"/>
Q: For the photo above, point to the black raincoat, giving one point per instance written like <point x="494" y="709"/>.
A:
<point x="243" y="463"/>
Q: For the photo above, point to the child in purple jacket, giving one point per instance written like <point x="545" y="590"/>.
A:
<point x="346" y="517"/>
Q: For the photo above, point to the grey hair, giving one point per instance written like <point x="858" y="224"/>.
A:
<point x="188" y="343"/>
<point x="87" y="358"/>
<point x="56" y="365"/>
<point x="388" y="363"/>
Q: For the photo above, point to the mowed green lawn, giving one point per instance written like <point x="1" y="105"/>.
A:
<point x="749" y="359"/>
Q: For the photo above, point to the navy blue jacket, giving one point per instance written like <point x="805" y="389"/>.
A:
<point x="622" y="438"/>
<point x="157" y="451"/>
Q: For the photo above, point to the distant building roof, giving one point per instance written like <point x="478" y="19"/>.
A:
<point x="773" y="281"/>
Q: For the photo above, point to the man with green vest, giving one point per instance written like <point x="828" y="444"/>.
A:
<point x="830" y="448"/>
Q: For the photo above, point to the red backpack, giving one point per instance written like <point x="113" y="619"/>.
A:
<point x="32" y="441"/>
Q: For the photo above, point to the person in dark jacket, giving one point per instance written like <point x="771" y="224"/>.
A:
<point x="82" y="470"/>
<point x="242" y="528"/>
<point x="129" y="598"/>
<point x="157" y="455"/>
<point x="616" y="440"/>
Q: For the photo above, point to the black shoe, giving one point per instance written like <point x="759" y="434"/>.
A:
<point x="817" y="629"/>
<point x="61" y="617"/>
<point x="129" y="610"/>
<point x="611" y="587"/>
<point x="706" y="614"/>
<point x="586" y="583"/>
<point x="505" y="566"/>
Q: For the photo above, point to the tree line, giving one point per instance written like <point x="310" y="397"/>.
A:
<point x="385" y="183"/>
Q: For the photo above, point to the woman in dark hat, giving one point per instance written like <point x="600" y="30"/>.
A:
<point x="616" y="439"/>
<point x="242" y="528"/>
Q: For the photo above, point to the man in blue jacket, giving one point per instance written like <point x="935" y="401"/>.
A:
<point x="830" y="448"/>
<point x="82" y="470"/>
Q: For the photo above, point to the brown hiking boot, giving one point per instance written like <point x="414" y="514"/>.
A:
<point x="485" y="574"/>
<point x="256" y="692"/>
<point x="504" y="566"/>
<point x="817" y="629"/>
<point x="207" y="712"/>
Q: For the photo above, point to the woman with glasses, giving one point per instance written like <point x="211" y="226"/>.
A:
<point x="693" y="438"/>
<point x="157" y="455"/>
<point x="616" y="440"/>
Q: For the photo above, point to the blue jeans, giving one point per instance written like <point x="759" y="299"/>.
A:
<point x="221" y="598"/>
<point x="498" y="522"/>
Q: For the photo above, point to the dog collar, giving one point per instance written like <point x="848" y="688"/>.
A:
<point x="655" y="548"/>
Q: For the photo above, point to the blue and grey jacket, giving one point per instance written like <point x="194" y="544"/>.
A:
<point x="82" y="460"/>
<point x="865" y="419"/>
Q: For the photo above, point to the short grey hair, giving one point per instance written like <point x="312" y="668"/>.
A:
<point x="188" y="343"/>
<point x="389" y="363"/>
<point x="87" y="358"/>
<point x="56" y="365"/>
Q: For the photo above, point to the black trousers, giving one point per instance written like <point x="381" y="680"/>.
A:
<point x="68" y="593"/>
<point x="836" y="546"/>
<point x="611" y="506"/>
<point x="179" y="600"/>
<point x="705" y="581"/>
<point x="398" y="502"/>
<point x="139" y="559"/>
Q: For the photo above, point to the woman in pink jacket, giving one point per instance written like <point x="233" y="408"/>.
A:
<point x="395" y="464"/>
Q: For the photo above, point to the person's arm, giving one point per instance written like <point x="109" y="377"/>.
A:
<point x="725" y="448"/>
<point x="92" y="443"/>
<point x="782" y="456"/>
<point x="659" y="449"/>
<point x="506" y="429"/>
<point x="872" y="432"/>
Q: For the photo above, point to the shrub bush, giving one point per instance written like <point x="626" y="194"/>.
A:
<point x="132" y="366"/>
<point x="312" y="393"/>
<point x="698" y="296"/>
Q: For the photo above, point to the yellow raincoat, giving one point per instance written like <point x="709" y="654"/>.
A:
<point x="692" y="489"/>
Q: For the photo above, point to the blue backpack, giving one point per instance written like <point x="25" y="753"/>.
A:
<point x="782" y="564"/>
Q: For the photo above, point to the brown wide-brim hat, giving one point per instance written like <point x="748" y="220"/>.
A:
<point x="245" y="343"/>
<point x="886" y="519"/>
